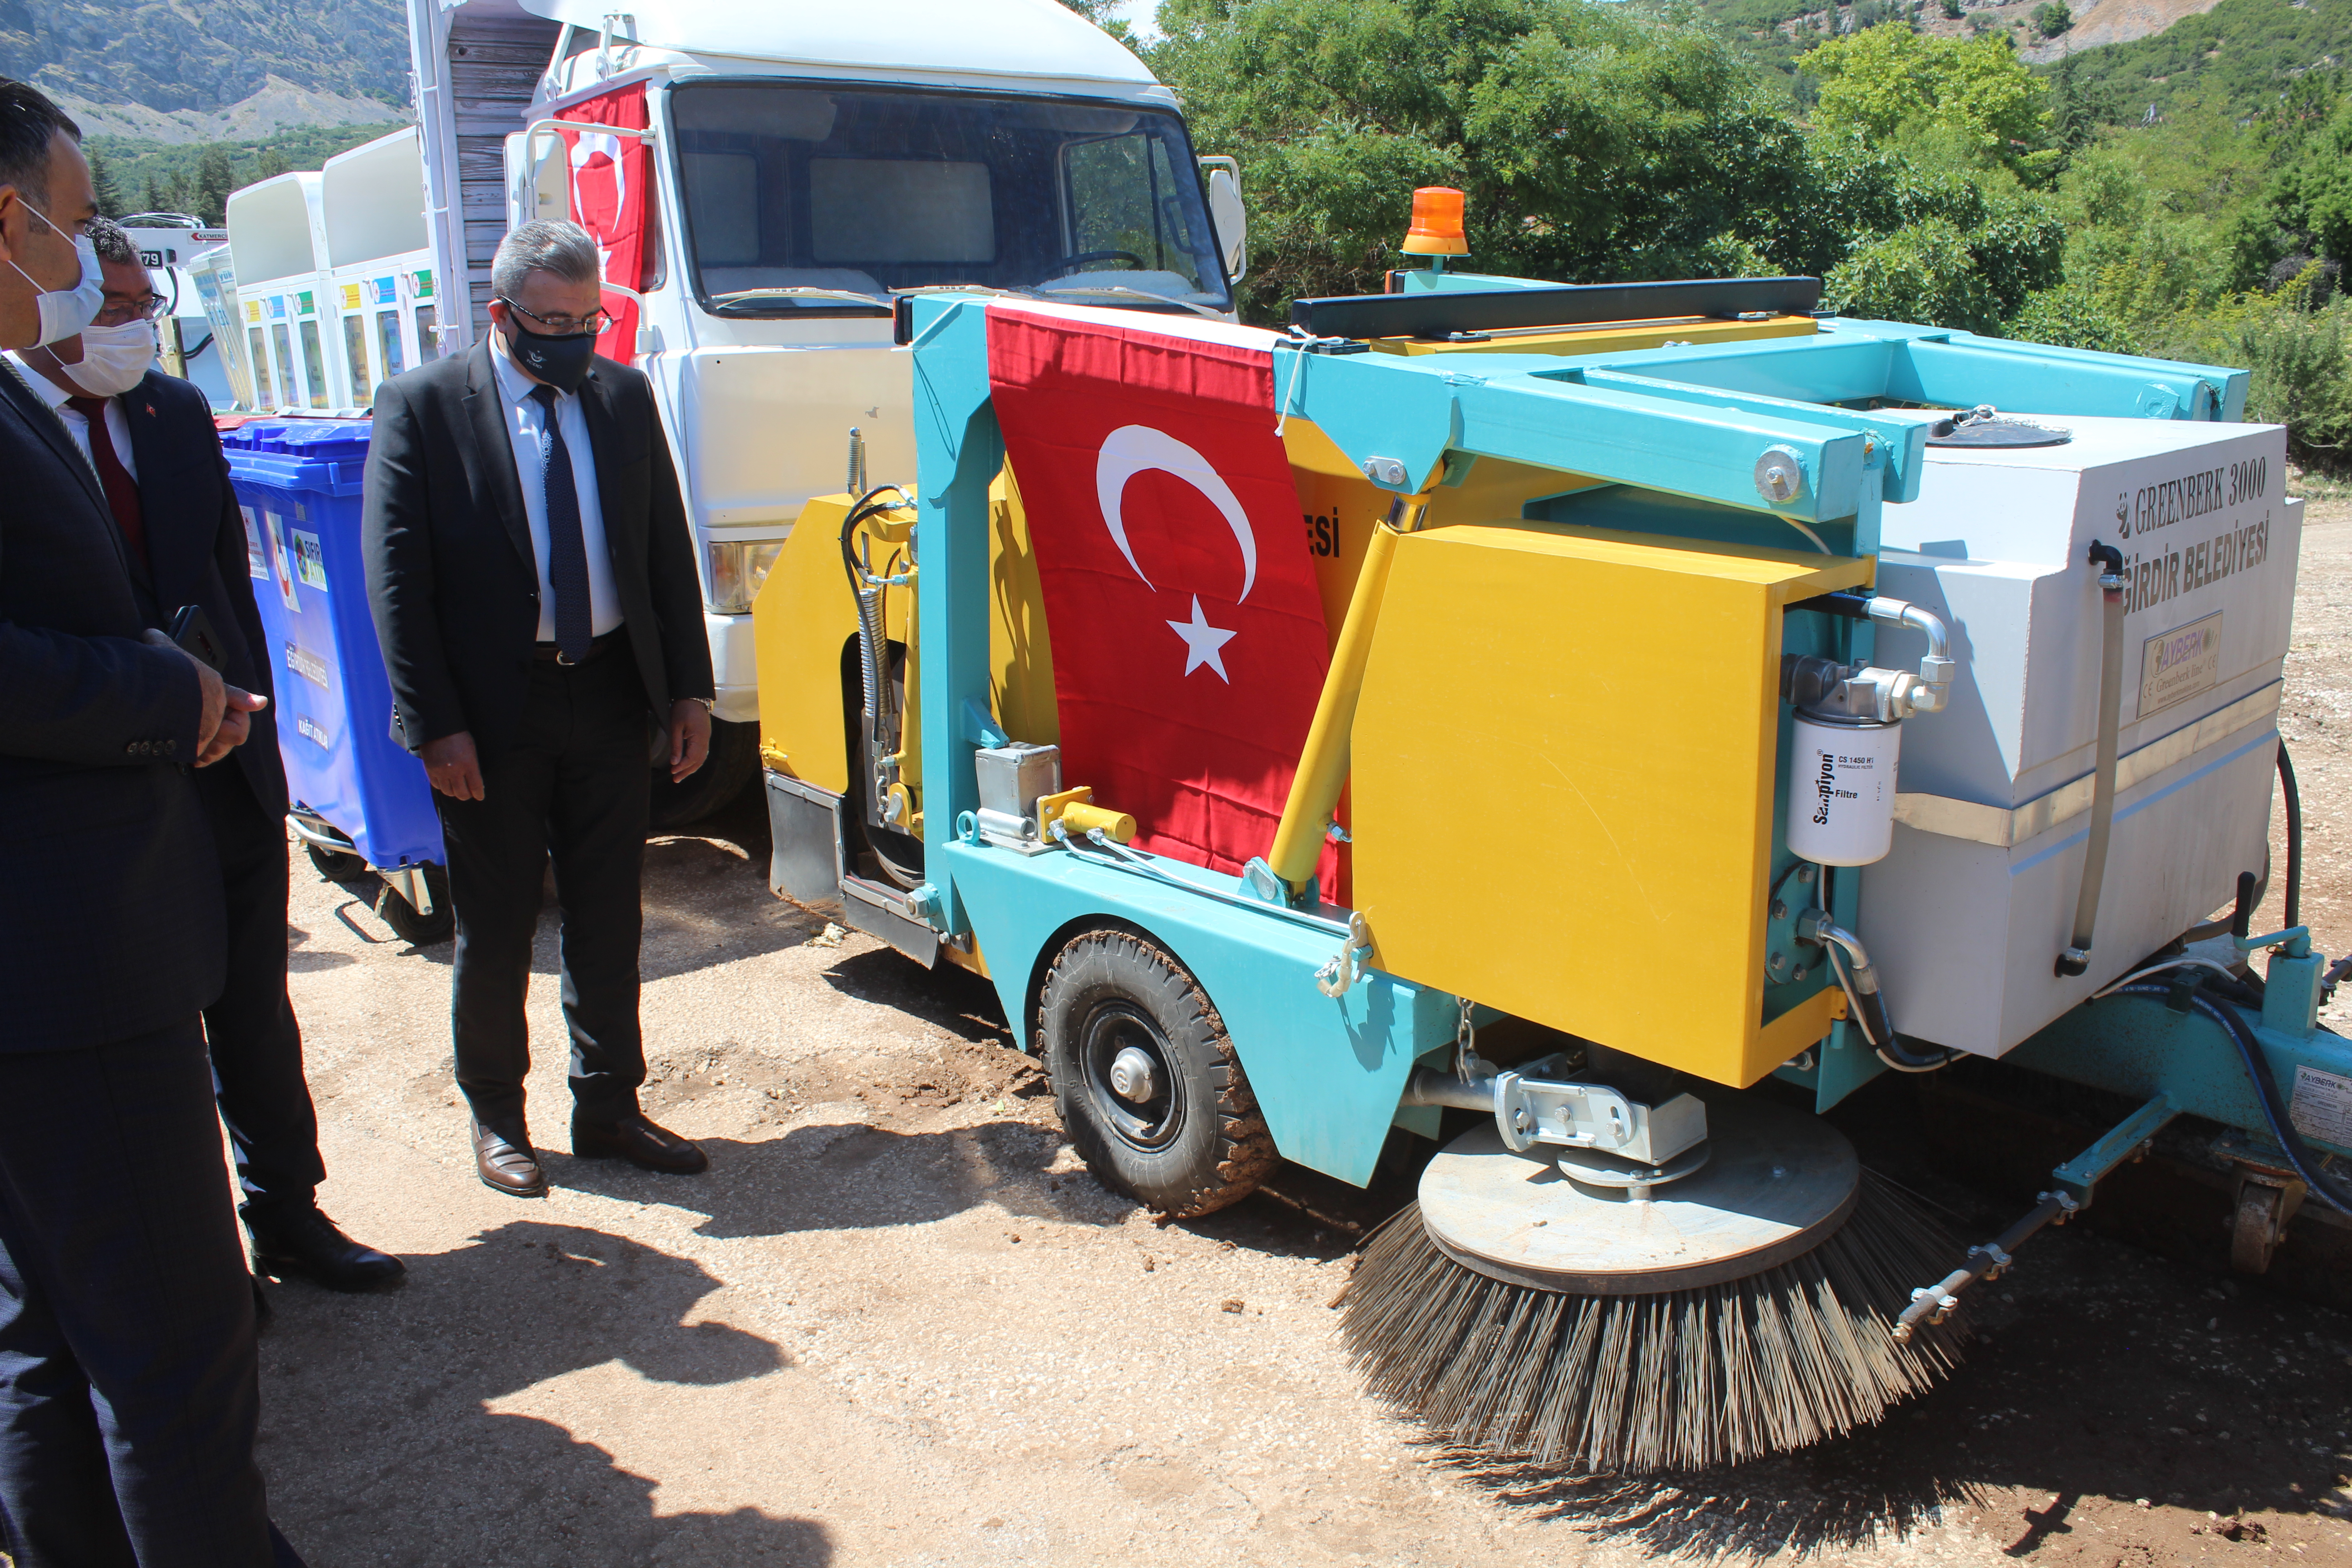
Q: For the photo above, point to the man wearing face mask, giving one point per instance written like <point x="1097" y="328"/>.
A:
<point x="151" y="440"/>
<point x="533" y="585"/>
<point x="128" y="1383"/>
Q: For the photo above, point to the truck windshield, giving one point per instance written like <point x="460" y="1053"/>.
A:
<point x="802" y="198"/>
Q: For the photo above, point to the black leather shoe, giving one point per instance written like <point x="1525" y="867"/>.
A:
<point x="640" y="1142"/>
<point x="309" y="1246"/>
<point x="503" y="1155"/>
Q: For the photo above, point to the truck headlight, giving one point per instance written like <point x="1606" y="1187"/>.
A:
<point x="737" y="571"/>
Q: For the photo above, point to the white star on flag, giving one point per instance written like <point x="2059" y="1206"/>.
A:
<point x="1202" y="643"/>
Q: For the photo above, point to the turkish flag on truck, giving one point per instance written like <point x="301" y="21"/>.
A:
<point x="1188" y="634"/>
<point x="610" y="179"/>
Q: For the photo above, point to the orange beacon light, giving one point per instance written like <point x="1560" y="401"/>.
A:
<point x="1436" y="223"/>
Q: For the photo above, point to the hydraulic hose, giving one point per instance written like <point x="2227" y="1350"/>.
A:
<point x="2076" y="958"/>
<point x="2294" y="798"/>
<point x="2266" y="1094"/>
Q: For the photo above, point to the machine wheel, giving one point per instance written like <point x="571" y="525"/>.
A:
<point x="734" y="758"/>
<point x="418" y="930"/>
<point x="1145" y="1080"/>
<point x="335" y="865"/>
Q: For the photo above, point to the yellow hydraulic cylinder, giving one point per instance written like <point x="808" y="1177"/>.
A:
<point x="1323" y="766"/>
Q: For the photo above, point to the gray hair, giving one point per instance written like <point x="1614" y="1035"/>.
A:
<point x="544" y="244"/>
<point x="112" y="243"/>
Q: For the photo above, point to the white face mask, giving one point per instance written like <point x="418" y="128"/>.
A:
<point x="113" y="359"/>
<point x="66" y="311"/>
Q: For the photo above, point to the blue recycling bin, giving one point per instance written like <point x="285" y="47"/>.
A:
<point x="298" y="483"/>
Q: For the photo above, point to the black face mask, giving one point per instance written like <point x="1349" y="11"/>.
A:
<point x="561" y="362"/>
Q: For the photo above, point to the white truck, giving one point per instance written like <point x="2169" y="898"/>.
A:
<point x="768" y="180"/>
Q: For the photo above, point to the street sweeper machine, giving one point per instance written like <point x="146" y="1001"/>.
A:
<point x="1556" y="712"/>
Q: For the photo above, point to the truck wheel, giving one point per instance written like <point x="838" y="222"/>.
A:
<point x="734" y="758"/>
<point x="419" y="931"/>
<point x="335" y="865"/>
<point x="1145" y="1080"/>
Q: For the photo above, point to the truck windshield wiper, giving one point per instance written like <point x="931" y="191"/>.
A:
<point x="1125" y="292"/>
<point x="755" y="296"/>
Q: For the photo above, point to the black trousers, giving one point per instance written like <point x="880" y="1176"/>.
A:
<point x="574" y="785"/>
<point x="256" y="1046"/>
<point x="129" y="1387"/>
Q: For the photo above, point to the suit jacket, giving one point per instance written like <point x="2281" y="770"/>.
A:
<point x="111" y="909"/>
<point x="452" y="579"/>
<point x="196" y="551"/>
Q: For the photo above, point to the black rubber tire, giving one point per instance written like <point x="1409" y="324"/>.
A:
<point x="335" y="865"/>
<point x="734" y="758"/>
<point x="419" y="931"/>
<point x="1199" y="1143"/>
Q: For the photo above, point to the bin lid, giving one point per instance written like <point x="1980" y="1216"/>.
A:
<point x="324" y="456"/>
<point x="305" y="440"/>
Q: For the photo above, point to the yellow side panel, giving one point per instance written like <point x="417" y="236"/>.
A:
<point x="806" y="614"/>
<point x="800" y="621"/>
<point x="1606" y="337"/>
<point x="1563" y="774"/>
<point x="1020" y="653"/>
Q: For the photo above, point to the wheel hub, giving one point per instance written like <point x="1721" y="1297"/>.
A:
<point x="1131" y="1076"/>
<point x="1775" y="1184"/>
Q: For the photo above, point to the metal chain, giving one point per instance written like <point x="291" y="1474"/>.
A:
<point x="1465" y="1040"/>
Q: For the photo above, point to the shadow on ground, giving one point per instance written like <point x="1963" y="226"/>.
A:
<point x="843" y="1176"/>
<point x="379" y="1446"/>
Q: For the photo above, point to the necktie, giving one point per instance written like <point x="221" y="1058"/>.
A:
<point x="122" y="490"/>
<point x="567" y="550"/>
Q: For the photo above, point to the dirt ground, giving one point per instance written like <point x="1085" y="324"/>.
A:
<point x="897" y="1324"/>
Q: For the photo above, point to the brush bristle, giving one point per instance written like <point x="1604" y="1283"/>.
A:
<point x="1685" y="1380"/>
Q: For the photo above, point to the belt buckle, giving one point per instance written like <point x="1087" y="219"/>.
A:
<point x="564" y="660"/>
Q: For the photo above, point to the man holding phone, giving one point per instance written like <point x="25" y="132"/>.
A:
<point x="129" y="1388"/>
<point x="149" y="439"/>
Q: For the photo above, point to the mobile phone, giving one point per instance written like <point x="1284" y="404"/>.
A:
<point x="192" y="631"/>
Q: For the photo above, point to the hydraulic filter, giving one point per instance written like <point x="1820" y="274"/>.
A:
<point x="1842" y="788"/>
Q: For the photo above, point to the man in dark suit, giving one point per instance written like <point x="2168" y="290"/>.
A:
<point x="129" y="1387"/>
<point x="151" y="440"/>
<point x="534" y="590"/>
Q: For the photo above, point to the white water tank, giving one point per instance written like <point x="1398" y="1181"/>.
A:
<point x="1968" y="913"/>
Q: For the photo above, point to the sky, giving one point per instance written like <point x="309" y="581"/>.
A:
<point x="1140" y="13"/>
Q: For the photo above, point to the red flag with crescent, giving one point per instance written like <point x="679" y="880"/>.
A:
<point x="609" y="178"/>
<point x="1188" y="633"/>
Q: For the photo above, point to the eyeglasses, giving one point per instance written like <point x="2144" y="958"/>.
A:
<point x="119" y="312"/>
<point x="565" y="326"/>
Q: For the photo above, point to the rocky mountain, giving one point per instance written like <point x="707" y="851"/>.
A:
<point x="194" y="71"/>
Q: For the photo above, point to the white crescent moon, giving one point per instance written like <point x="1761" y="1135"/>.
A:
<point x="1131" y="449"/>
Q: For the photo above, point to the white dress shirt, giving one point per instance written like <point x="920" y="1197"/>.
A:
<point x="118" y="429"/>
<point x="527" y="429"/>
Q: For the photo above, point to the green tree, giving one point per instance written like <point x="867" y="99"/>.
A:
<point x="2053" y="18"/>
<point x="214" y="180"/>
<point x="269" y="164"/>
<point x="1591" y="142"/>
<point x="154" y="200"/>
<point x="101" y="180"/>
<point x="1890" y="81"/>
<point x="1104" y="14"/>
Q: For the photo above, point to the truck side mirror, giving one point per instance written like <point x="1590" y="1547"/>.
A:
<point x="536" y="182"/>
<point x="1227" y="215"/>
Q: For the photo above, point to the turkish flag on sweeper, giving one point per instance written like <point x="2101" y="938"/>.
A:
<point x="1188" y="634"/>
<point x="610" y="178"/>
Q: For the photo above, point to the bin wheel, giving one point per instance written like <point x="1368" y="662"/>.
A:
<point x="1146" y="1079"/>
<point x="418" y="930"/>
<point x="734" y="758"/>
<point x="335" y="865"/>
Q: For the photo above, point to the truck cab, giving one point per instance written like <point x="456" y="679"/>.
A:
<point x="769" y="185"/>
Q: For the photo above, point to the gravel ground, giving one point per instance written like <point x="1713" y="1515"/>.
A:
<point x="898" y="1324"/>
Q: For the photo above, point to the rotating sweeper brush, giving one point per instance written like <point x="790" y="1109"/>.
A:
<point x="1588" y="1315"/>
